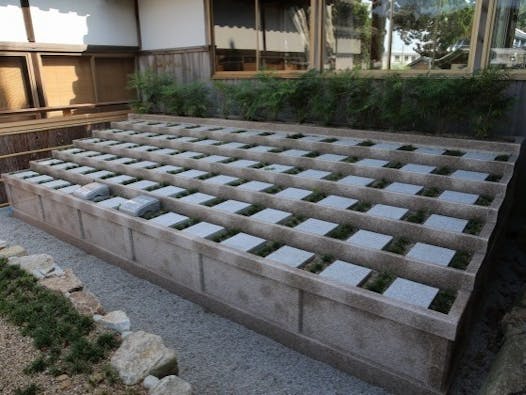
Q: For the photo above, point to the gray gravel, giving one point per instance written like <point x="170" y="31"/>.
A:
<point x="216" y="356"/>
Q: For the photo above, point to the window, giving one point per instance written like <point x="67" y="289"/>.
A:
<point x="363" y="34"/>
<point x="508" y="42"/>
<point x="261" y="35"/>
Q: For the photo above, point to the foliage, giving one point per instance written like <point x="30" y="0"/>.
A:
<point x="60" y="333"/>
<point x="428" y="103"/>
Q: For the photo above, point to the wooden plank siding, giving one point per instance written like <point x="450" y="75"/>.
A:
<point x="186" y="65"/>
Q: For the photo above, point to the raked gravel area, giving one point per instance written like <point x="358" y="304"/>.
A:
<point x="218" y="356"/>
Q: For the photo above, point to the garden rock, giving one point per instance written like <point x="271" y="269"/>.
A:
<point x="142" y="354"/>
<point x="3" y="244"/>
<point x="66" y="283"/>
<point x="86" y="303"/>
<point x="116" y="321"/>
<point x="150" y="382"/>
<point x="172" y="385"/>
<point x="9" y="252"/>
<point x="39" y="265"/>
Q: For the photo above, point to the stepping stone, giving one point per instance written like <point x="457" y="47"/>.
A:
<point x="105" y="157"/>
<point x="346" y="273"/>
<point x="168" y="191"/>
<point x="108" y="142"/>
<point x="430" y="150"/>
<point x="50" y="162"/>
<point x="232" y="206"/>
<point x="271" y="215"/>
<point x="331" y="157"/>
<point x="401" y="187"/>
<point x="120" y="179"/>
<point x="316" y="174"/>
<point x="70" y="189"/>
<point x="101" y="174"/>
<point x="261" y="148"/>
<point x="143" y="184"/>
<point x="420" y="169"/>
<point x="56" y="184"/>
<point x="295" y="153"/>
<point x="316" y="226"/>
<point x="114" y="202"/>
<point x="469" y="175"/>
<point x="143" y="164"/>
<point x="256" y="186"/>
<point x="125" y="145"/>
<point x="244" y="242"/>
<point x="387" y="146"/>
<point x="275" y="168"/>
<point x="382" y="210"/>
<point x="64" y="166"/>
<point x="26" y="174"/>
<point x="214" y="158"/>
<point x="233" y="145"/>
<point x="371" y="162"/>
<point x="313" y="138"/>
<point x="162" y="137"/>
<point x="221" y="179"/>
<point x="144" y="148"/>
<point x="411" y="292"/>
<point x="338" y="202"/>
<point x="442" y="222"/>
<point x="165" y="151"/>
<point x="368" y="239"/>
<point x="144" y="134"/>
<point x="192" y="173"/>
<point x="188" y="154"/>
<point x="87" y="154"/>
<point x="347" y="142"/>
<point x="207" y="142"/>
<point x="186" y="139"/>
<point x="431" y="254"/>
<point x="167" y="169"/>
<point x="169" y="219"/>
<point x="243" y="163"/>
<point x="480" y="155"/>
<point x="81" y="170"/>
<point x="205" y="230"/>
<point x="355" y="180"/>
<point x="90" y="140"/>
<point x="293" y="193"/>
<point x="39" y="179"/>
<point x="458" y="197"/>
<point x="122" y="161"/>
<point x="197" y="198"/>
<point x="72" y="151"/>
<point x="290" y="256"/>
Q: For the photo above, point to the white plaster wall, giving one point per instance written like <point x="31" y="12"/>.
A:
<point x="93" y="22"/>
<point x="12" y="26"/>
<point x="172" y="23"/>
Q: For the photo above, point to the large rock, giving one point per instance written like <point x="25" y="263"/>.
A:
<point x="142" y="354"/>
<point x="66" y="283"/>
<point x="172" y="385"/>
<point x="8" y="252"/>
<point x="3" y="244"/>
<point x="116" y="321"/>
<point x="39" y="265"/>
<point x="86" y="303"/>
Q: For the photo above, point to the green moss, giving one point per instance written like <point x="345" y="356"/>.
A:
<point x="361" y="206"/>
<point x="253" y="209"/>
<point x="186" y="224"/>
<point x="379" y="282"/>
<point x="342" y="232"/>
<point x="315" y="196"/>
<point x="225" y="235"/>
<point x="443" y="301"/>
<point x="294" y="170"/>
<point x="334" y="177"/>
<point x="213" y="202"/>
<point x="268" y="248"/>
<point x="294" y="221"/>
<point x="417" y="217"/>
<point x="460" y="260"/>
<point x="430" y="192"/>
<point x="442" y="171"/>
<point x="474" y="227"/>
<point x="398" y="246"/>
<point x="351" y="159"/>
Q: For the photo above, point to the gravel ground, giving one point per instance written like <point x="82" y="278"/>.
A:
<point x="218" y="356"/>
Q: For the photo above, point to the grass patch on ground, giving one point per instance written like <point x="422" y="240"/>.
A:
<point x="64" y="337"/>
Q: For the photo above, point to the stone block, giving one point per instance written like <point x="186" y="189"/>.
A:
<point x="255" y="186"/>
<point x="295" y="153"/>
<point x="121" y="179"/>
<point x="442" y="222"/>
<point x="290" y="256"/>
<point x="276" y="168"/>
<point x="192" y="173"/>
<point x="411" y="292"/>
<point x="169" y="219"/>
<point x="346" y="273"/>
<point x="168" y="191"/>
<point x="242" y="163"/>
<point x="480" y="155"/>
<point x="172" y="385"/>
<point x="67" y="283"/>
<point x="205" y="230"/>
<point x="356" y="180"/>
<point x="385" y="211"/>
<point x="12" y="251"/>
<point x="145" y="164"/>
<point x="338" y="202"/>
<point x="458" y="197"/>
<point x="214" y="158"/>
<point x="232" y="206"/>
<point x="86" y="303"/>
<point x="430" y="150"/>
<point x="431" y="254"/>
<point x="56" y="184"/>
<point x="167" y="169"/>
<point x="331" y="157"/>
<point x="372" y="162"/>
<point x="271" y="215"/>
<point x="469" y="175"/>
<point x="39" y="179"/>
<point x="293" y="193"/>
<point x="315" y="174"/>
<point x="401" y="187"/>
<point x="368" y="239"/>
<point x="244" y="242"/>
<point x="113" y="202"/>
<point x="143" y="184"/>
<point x="197" y="198"/>
<point x="81" y="170"/>
<point x="316" y="226"/>
<point x="222" y="180"/>
<point x="115" y="320"/>
<point x="420" y="169"/>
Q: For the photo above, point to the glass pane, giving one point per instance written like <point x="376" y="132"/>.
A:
<point x="235" y="35"/>
<point x="284" y="35"/>
<point x="356" y="34"/>
<point x="431" y="34"/>
<point x="508" y="44"/>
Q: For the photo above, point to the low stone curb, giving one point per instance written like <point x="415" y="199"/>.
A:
<point x="142" y="356"/>
<point x="508" y="372"/>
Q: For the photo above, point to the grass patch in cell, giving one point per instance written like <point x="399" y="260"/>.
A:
<point x="186" y="224"/>
<point x="394" y="165"/>
<point x="265" y="134"/>
<point x="342" y="232"/>
<point x="474" y="227"/>
<point x="361" y="206"/>
<point x="502" y="158"/>
<point x="293" y="221"/>
<point x="317" y="264"/>
<point x="493" y="178"/>
<point x="407" y="147"/>
<point x="295" y="136"/>
<point x="351" y="159"/>
<point x="334" y="177"/>
<point x="225" y="235"/>
<point x="430" y="192"/>
<point x="253" y="209"/>
<point x="273" y="190"/>
<point x="416" y="217"/>
<point x="293" y="171"/>
<point x="268" y="248"/>
<point x="442" y="171"/>
<point x="399" y="246"/>
<point x="443" y="301"/>
<point x="366" y="143"/>
<point x="315" y="196"/>
<point x="312" y="154"/>
<point x="484" y="200"/>
<point x="380" y="184"/>
<point x="379" y="282"/>
<point x="213" y="202"/>
<point x="453" y="152"/>
<point x="460" y="260"/>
